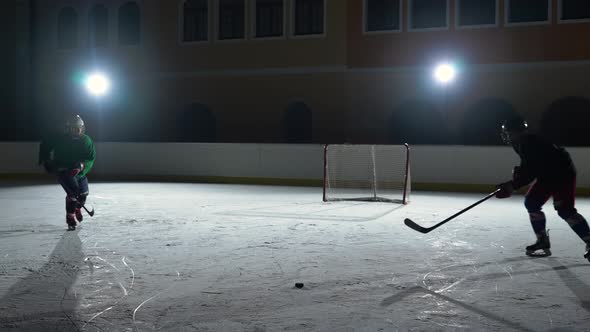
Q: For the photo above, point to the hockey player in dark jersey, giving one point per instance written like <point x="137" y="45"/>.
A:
<point x="552" y="173"/>
<point x="70" y="156"/>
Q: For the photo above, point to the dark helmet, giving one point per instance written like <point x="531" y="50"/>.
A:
<point x="75" y="126"/>
<point x="516" y="124"/>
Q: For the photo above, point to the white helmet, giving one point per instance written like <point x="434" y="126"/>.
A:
<point x="75" y="126"/>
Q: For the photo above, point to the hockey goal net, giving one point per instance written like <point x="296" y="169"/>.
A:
<point x="367" y="173"/>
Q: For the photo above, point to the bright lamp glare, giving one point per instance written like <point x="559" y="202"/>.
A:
<point x="444" y="73"/>
<point x="97" y="84"/>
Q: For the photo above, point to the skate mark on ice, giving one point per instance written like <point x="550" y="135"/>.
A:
<point x="418" y="289"/>
<point x="506" y="270"/>
<point x="451" y="285"/>
<point x="97" y="315"/>
<point x="132" y="272"/>
<point x="149" y="299"/>
<point x="437" y="270"/>
<point x="106" y="262"/>
<point x="90" y="265"/>
<point x="99" y="291"/>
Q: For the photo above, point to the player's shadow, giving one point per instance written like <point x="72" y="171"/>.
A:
<point x="578" y="287"/>
<point x="421" y="290"/>
<point x="43" y="300"/>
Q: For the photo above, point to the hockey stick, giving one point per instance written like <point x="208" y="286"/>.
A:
<point x="90" y="213"/>
<point x="421" y="229"/>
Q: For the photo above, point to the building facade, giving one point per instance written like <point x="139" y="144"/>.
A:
<point x="307" y="71"/>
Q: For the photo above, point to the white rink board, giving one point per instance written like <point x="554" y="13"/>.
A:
<point x="429" y="164"/>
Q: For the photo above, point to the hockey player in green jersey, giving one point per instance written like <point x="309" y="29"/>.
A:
<point x="70" y="156"/>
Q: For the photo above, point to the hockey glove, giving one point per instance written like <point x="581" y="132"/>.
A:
<point x="506" y="190"/>
<point x="76" y="170"/>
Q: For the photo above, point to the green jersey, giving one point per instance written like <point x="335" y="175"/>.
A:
<point x="65" y="151"/>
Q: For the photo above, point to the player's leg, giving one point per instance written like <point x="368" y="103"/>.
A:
<point x="564" y="202"/>
<point x="70" y="186"/>
<point x="82" y="195"/>
<point x="535" y="198"/>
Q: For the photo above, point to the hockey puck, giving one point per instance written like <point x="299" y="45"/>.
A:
<point x="299" y="284"/>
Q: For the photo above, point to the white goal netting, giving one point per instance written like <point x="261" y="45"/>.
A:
<point x="367" y="173"/>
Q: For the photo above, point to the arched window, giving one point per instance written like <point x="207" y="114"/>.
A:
<point x="98" y="26"/>
<point x="482" y="122"/>
<point x="67" y="28"/>
<point x="297" y="123"/>
<point x="197" y="124"/>
<point x="129" y="24"/>
<point x="567" y="121"/>
<point x="418" y="122"/>
<point x="195" y="20"/>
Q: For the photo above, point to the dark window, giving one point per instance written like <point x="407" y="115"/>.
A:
<point x="428" y="14"/>
<point x="309" y="17"/>
<point x="67" y="28"/>
<point x="477" y="12"/>
<point x="575" y="9"/>
<point x="522" y="11"/>
<point x="269" y="18"/>
<point x="98" y="26"/>
<point x="382" y="15"/>
<point x="195" y="21"/>
<point x="231" y="19"/>
<point x="129" y="24"/>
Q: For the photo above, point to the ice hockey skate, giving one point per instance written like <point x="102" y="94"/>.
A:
<point x="541" y="248"/>
<point x="79" y="216"/>
<point x="71" y="221"/>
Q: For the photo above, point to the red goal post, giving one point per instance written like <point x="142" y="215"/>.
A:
<point x="362" y="172"/>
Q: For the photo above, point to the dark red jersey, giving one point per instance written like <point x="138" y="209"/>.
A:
<point x="542" y="160"/>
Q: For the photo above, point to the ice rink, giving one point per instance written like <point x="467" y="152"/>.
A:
<point x="212" y="257"/>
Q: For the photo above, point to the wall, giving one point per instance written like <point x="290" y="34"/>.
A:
<point x="432" y="167"/>
<point x="353" y="83"/>
<point x="552" y="41"/>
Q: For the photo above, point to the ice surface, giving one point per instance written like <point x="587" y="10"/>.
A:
<point x="207" y="257"/>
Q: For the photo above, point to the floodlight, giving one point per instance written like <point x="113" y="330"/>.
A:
<point x="444" y="73"/>
<point x="97" y="84"/>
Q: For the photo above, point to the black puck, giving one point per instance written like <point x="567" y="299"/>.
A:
<point x="299" y="284"/>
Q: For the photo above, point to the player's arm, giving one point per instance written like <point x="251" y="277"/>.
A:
<point x="88" y="157"/>
<point x="45" y="148"/>
<point x="521" y="176"/>
<point x="534" y="154"/>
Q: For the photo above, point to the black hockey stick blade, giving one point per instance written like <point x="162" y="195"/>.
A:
<point x="421" y="229"/>
<point x="415" y="226"/>
<point x="90" y="213"/>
